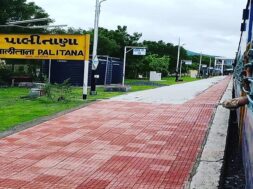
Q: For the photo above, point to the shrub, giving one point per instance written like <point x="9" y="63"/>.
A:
<point x="5" y="75"/>
<point x="58" y="92"/>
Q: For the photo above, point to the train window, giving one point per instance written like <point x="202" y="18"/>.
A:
<point x="243" y="27"/>
<point x="245" y="14"/>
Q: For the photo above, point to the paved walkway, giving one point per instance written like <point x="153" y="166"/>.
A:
<point x="111" y="144"/>
<point x="174" y="94"/>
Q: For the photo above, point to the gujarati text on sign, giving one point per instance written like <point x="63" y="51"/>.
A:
<point x="61" y="47"/>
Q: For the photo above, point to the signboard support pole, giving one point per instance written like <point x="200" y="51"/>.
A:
<point x="85" y="79"/>
<point x="178" y="56"/>
<point x="124" y="62"/>
<point x="180" y="74"/>
<point x="200" y="62"/>
<point x="106" y="70"/>
<point x="124" y="67"/>
<point x="49" y="70"/>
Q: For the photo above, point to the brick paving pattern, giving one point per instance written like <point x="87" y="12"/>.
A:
<point x="111" y="144"/>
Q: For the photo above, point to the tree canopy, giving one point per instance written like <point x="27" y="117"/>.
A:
<point x="161" y="56"/>
<point x="17" y="10"/>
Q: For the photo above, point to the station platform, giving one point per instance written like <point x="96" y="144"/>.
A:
<point x="118" y="143"/>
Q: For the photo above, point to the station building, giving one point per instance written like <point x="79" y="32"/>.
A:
<point x="223" y="65"/>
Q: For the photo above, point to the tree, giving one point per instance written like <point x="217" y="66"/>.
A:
<point x="159" y="64"/>
<point x="17" y="10"/>
<point x="166" y="49"/>
<point x="196" y="59"/>
<point x="112" y="42"/>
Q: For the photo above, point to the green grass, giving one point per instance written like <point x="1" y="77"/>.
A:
<point x="14" y="110"/>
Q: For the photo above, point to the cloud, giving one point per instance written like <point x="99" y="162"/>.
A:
<point x="204" y="25"/>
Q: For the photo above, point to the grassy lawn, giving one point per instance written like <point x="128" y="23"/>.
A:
<point x="14" y="110"/>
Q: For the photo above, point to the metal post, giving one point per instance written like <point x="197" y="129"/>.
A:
<point x="200" y="62"/>
<point x="85" y="79"/>
<point x="180" y="74"/>
<point x="178" y="56"/>
<point x="49" y="70"/>
<point x="95" y="44"/>
<point x="222" y="67"/>
<point x="124" y="62"/>
<point x="124" y="67"/>
<point x="210" y="64"/>
<point x="94" y="52"/>
<point x="106" y="70"/>
<point x="95" y="40"/>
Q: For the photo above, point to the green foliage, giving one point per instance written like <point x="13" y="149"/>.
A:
<point x="112" y="42"/>
<point x="64" y="90"/>
<point x="58" y="92"/>
<point x="16" y="10"/>
<point x="48" y="90"/>
<point x="69" y="30"/>
<point x="12" y="104"/>
<point x="159" y="64"/>
<point x="196" y="59"/>
<point x="166" y="49"/>
<point x="5" y="75"/>
<point x="161" y="50"/>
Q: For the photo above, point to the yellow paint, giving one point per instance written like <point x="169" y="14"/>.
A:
<point x="87" y="45"/>
<point x="60" y="47"/>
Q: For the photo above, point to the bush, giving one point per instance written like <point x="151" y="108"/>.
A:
<point x="5" y="75"/>
<point x="58" y="92"/>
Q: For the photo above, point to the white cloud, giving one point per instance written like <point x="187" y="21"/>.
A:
<point x="211" y="26"/>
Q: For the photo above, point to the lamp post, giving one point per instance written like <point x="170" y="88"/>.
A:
<point x="178" y="55"/>
<point x="95" y="60"/>
<point x="200" y="62"/>
<point x="178" y="58"/>
<point x="181" y="62"/>
<point x="210" y="64"/>
<point x="180" y="73"/>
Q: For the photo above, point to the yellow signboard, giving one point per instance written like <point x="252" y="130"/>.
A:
<point x="60" y="47"/>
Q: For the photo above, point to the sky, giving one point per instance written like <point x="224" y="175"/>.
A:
<point x="208" y="26"/>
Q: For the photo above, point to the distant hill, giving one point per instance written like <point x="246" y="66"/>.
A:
<point x="191" y="53"/>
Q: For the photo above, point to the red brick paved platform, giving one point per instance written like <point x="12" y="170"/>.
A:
<point x="111" y="145"/>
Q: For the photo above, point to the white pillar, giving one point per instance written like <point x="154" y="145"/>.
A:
<point x="124" y="67"/>
<point x="49" y="70"/>
<point x="178" y="54"/>
<point x="95" y="40"/>
<point x="180" y="74"/>
<point x="222" y="67"/>
<point x="85" y="79"/>
<point x="106" y="69"/>
<point x="200" y="62"/>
